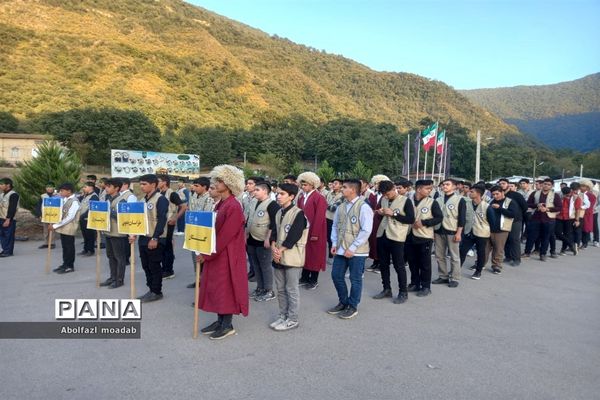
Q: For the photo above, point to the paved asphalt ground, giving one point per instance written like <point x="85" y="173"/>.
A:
<point x="531" y="333"/>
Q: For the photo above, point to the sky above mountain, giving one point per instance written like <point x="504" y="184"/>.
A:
<point x="464" y="43"/>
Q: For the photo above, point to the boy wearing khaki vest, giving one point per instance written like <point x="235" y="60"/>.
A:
<point x="288" y="246"/>
<point x="398" y="214"/>
<point x="547" y="205"/>
<point x="152" y="246"/>
<point x="89" y="235"/>
<point x="67" y="227"/>
<point x="477" y="230"/>
<point x="352" y="224"/>
<point x="501" y="214"/>
<point x="117" y="245"/>
<point x="449" y="233"/>
<point x="176" y="209"/>
<point x="258" y="244"/>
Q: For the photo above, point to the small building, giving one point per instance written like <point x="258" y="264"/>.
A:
<point x="20" y="147"/>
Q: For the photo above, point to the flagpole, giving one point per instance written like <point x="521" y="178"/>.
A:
<point x="442" y="159"/>
<point x="434" y="153"/>
<point x="425" y="166"/>
<point x="445" y="160"/>
<point x="408" y="143"/>
<point x="418" y="156"/>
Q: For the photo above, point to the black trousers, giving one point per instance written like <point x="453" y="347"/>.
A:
<point x="329" y="228"/>
<point x="564" y="232"/>
<point x="226" y="320"/>
<point x="67" y="243"/>
<point x="390" y="250"/>
<point x="419" y="262"/>
<point x="89" y="236"/>
<point x="117" y="249"/>
<point x="169" y="252"/>
<point x="151" y="260"/>
<point x="309" y="276"/>
<point x="595" y="230"/>
<point x="482" y="246"/>
<point x="512" y="248"/>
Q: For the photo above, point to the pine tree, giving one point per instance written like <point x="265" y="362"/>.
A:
<point x="53" y="163"/>
<point x="326" y="172"/>
<point x="360" y="171"/>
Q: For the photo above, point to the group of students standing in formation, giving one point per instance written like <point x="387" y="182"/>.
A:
<point x="281" y="235"/>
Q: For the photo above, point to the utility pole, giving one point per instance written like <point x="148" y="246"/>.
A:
<point x="478" y="156"/>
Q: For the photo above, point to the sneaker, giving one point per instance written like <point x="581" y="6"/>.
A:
<point x="525" y="255"/>
<point x="515" y="263"/>
<point x="191" y="285"/>
<point x="553" y="255"/>
<point x="256" y="293"/>
<point x="168" y="275"/>
<point x="453" y="283"/>
<point x="543" y="258"/>
<point x="286" y="325"/>
<point x="278" y="321"/>
<point x="222" y="333"/>
<point x="83" y="253"/>
<point x="311" y="286"/>
<point x="440" y="281"/>
<point x="536" y="252"/>
<point x="377" y="270"/>
<point x="107" y="282"/>
<point x="151" y="296"/>
<point x="302" y="283"/>
<point x="562" y="253"/>
<point x="115" y="285"/>
<point x="470" y="253"/>
<point x="211" y="328"/>
<point x="44" y="246"/>
<point x="337" y="309"/>
<point x="496" y="271"/>
<point x="413" y="288"/>
<point x="266" y="296"/>
<point x="349" y="312"/>
<point x="59" y="268"/>
<point x="596" y="244"/>
<point x="384" y="293"/>
<point x="65" y="270"/>
<point x="373" y="266"/>
<point x="476" y="275"/>
<point x="402" y="297"/>
<point x="424" y="292"/>
<point x="473" y="267"/>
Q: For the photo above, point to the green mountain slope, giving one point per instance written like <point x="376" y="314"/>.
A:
<point x="564" y="115"/>
<point x="181" y="64"/>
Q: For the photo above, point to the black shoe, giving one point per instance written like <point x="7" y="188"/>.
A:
<point x="553" y="255"/>
<point x="439" y="281"/>
<point x="65" y="270"/>
<point x="44" y="246"/>
<point x="473" y="267"/>
<point x="83" y="253"/>
<point x="453" y="283"/>
<point x="337" y="309"/>
<point x="116" y="284"/>
<point x="144" y="296"/>
<point x="302" y="283"/>
<point x="211" y="328"/>
<point x="5" y="255"/>
<point x="384" y="293"/>
<point x="107" y="282"/>
<point x="515" y="263"/>
<point x="402" y="297"/>
<point x="349" y="312"/>
<point x="476" y="275"/>
<point x="496" y="271"/>
<point x="424" y="292"/>
<point x="311" y="286"/>
<point x="168" y="275"/>
<point x="222" y="333"/>
<point x="542" y="258"/>
<point x="413" y="288"/>
<point x="151" y="296"/>
<point x="59" y="268"/>
<point x="191" y="286"/>
<point x="252" y="278"/>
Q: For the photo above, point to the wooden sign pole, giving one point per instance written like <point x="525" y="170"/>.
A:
<point x="98" y="259"/>
<point x="132" y="269"/>
<point x="49" y="253"/>
<point x="197" y="296"/>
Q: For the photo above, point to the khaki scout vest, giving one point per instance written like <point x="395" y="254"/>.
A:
<point x="71" y="228"/>
<point x="114" y="226"/>
<point x="505" y="222"/>
<point x="85" y="203"/>
<point x="259" y="221"/>
<point x="295" y="256"/>
<point x="201" y="203"/>
<point x="153" y="215"/>
<point x="423" y="213"/>
<point x="172" y="212"/>
<point x="348" y="226"/>
<point x="333" y="199"/>
<point x="394" y="230"/>
<point x="450" y="211"/>
<point x="481" y="226"/>
<point x="4" y="201"/>
<point x="549" y="202"/>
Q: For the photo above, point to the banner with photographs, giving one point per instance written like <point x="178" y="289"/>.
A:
<point x="133" y="163"/>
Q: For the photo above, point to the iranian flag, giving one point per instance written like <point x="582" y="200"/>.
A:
<point x="428" y="136"/>
<point x="440" y="141"/>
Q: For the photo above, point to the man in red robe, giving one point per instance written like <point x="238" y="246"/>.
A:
<point x="314" y="206"/>
<point x="224" y="283"/>
<point x="374" y="200"/>
<point x="588" y="216"/>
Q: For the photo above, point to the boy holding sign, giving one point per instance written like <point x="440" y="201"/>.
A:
<point x="117" y="247"/>
<point x="67" y="227"/>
